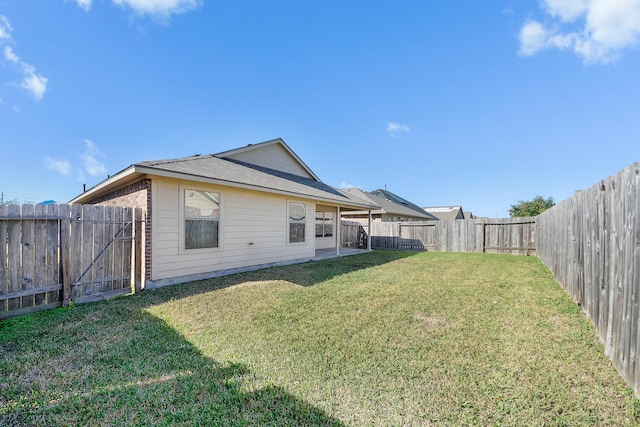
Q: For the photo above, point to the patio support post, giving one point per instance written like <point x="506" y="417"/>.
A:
<point x="369" y="232"/>
<point x="338" y="228"/>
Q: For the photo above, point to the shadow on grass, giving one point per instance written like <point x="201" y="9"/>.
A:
<point x="112" y="363"/>
<point x="101" y="364"/>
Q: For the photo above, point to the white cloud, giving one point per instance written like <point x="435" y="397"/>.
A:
<point x="344" y="185"/>
<point x="566" y="10"/>
<point x="90" y="157"/>
<point x="60" y="166"/>
<point x="34" y="83"/>
<point x="84" y="4"/>
<point x="5" y="28"/>
<point x="159" y="8"/>
<point x="533" y="38"/>
<point x="596" y="30"/>
<point x="396" y="129"/>
<point x="9" y="55"/>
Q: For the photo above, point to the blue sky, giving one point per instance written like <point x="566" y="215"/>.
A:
<point x="470" y="103"/>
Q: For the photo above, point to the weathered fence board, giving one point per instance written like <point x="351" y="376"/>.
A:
<point x="385" y="235"/>
<point x="53" y="269"/>
<point x="40" y="241"/>
<point x="4" y="282"/>
<point x="75" y="250"/>
<point x="511" y="235"/>
<point x="591" y="243"/>
<point x="84" y="285"/>
<point x="352" y="234"/>
<point x="66" y="266"/>
<point x="100" y="240"/>
<point x="52" y="254"/>
<point x="14" y="267"/>
<point x="126" y="243"/>
<point x="28" y="254"/>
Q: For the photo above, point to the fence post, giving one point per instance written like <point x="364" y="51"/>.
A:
<point x="65" y="252"/>
<point x="137" y="242"/>
<point x="484" y="236"/>
<point x="4" y="283"/>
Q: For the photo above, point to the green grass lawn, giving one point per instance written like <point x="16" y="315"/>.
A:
<point x="383" y="338"/>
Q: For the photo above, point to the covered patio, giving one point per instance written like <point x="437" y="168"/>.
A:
<point x="332" y="253"/>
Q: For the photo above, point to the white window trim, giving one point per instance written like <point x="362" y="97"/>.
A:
<point x="181" y="227"/>
<point x="306" y="224"/>
<point x="333" y="225"/>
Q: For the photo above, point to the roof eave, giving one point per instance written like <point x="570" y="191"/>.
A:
<point x="112" y="182"/>
<point x="199" y="178"/>
<point x="145" y="170"/>
<point x="135" y="171"/>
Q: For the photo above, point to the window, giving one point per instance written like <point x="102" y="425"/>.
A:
<point x="324" y="224"/>
<point x="201" y="219"/>
<point x="297" y="220"/>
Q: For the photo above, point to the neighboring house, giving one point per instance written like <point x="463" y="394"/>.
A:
<point x="392" y="207"/>
<point x="448" y="212"/>
<point x="257" y="205"/>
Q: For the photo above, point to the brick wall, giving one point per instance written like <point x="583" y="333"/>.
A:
<point x="136" y="195"/>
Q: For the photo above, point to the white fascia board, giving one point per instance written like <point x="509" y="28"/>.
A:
<point x="114" y="180"/>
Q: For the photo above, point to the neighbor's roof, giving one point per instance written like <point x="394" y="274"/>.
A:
<point x="445" y="212"/>
<point x="214" y="169"/>
<point x="391" y="203"/>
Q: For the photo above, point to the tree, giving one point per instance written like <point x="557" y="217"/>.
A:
<point x="532" y="207"/>
<point x="5" y="201"/>
<point x="9" y="202"/>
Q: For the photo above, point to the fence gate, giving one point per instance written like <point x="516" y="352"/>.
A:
<point x="101" y="248"/>
<point x="51" y="255"/>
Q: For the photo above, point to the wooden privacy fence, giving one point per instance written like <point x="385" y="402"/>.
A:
<point x="511" y="235"/>
<point x="51" y="255"/>
<point x="352" y="234"/>
<point x="591" y="243"/>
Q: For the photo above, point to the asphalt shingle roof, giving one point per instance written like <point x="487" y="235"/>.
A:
<point x="391" y="204"/>
<point x="236" y="172"/>
<point x="444" y="213"/>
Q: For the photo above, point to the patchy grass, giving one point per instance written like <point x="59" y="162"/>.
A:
<point x="384" y="338"/>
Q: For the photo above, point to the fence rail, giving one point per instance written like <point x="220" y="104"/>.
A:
<point x="51" y="255"/>
<point x="512" y="235"/>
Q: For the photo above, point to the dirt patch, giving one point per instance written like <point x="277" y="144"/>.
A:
<point x="556" y="320"/>
<point x="33" y="379"/>
<point x="431" y="323"/>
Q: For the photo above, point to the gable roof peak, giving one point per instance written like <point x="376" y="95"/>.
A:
<point x="245" y="154"/>
<point x="250" y="146"/>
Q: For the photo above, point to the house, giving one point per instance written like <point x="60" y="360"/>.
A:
<point x="392" y="207"/>
<point x="250" y="207"/>
<point x="448" y="212"/>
